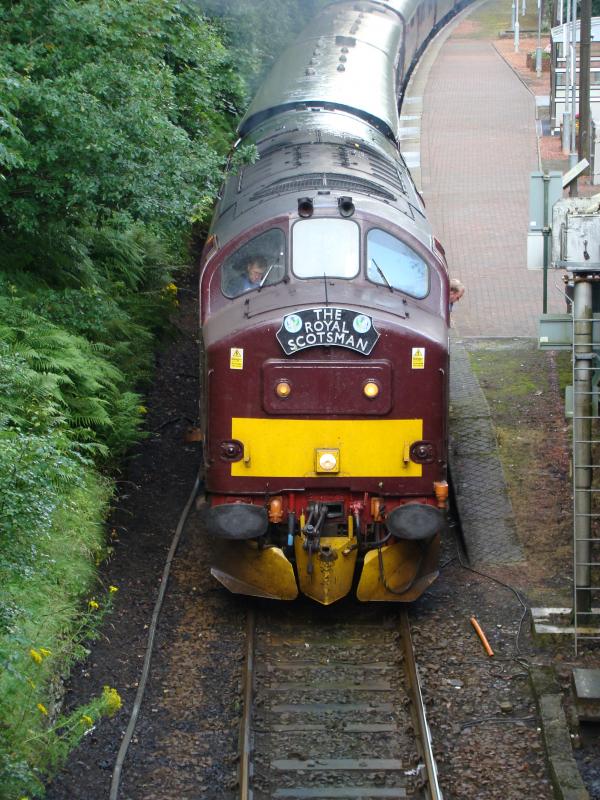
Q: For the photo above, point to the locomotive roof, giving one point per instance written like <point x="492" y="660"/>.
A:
<point x="346" y="58"/>
<point x="324" y="155"/>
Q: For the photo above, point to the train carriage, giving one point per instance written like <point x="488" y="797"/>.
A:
<point x="324" y="314"/>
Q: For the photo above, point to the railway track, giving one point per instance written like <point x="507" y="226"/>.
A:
<point x="333" y="708"/>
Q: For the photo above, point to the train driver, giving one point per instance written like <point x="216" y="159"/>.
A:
<point x="254" y="272"/>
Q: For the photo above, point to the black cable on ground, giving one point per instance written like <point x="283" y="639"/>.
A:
<point x="480" y="721"/>
<point x="500" y="583"/>
<point x="172" y="422"/>
<point x="128" y="735"/>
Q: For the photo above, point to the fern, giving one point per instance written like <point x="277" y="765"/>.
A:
<point x="52" y="379"/>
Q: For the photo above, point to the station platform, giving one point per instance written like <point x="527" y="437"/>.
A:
<point x="471" y="137"/>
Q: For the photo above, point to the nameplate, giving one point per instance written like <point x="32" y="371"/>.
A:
<point x="327" y="327"/>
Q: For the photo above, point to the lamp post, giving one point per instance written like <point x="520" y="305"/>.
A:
<point x="585" y="35"/>
<point x="573" y="148"/>
<point x="524" y="8"/>
<point x="538" y="49"/>
<point x="566" y="137"/>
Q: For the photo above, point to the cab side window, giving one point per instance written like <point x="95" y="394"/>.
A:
<point x="393" y="263"/>
<point x="260" y="262"/>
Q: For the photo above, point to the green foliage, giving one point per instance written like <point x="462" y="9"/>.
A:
<point x="114" y="107"/>
<point x="54" y="380"/>
<point x="63" y="402"/>
<point x="42" y="622"/>
<point x="48" y="743"/>
<point x="35" y="470"/>
<point x="595" y="8"/>
<point x="11" y="139"/>
<point x="124" y="304"/>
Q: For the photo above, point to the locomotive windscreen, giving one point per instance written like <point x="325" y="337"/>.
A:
<point x="325" y="247"/>
<point x="393" y="263"/>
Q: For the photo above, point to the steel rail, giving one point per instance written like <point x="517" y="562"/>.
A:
<point x="245" y="767"/>
<point x="431" y="773"/>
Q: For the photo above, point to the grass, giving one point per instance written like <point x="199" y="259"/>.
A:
<point x="496" y="17"/>
<point x="67" y="413"/>
<point x="524" y="388"/>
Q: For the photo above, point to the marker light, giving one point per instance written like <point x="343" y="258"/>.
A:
<point x="371" y="390"/>
<point x="441" y="493"/>
<point x="422" y="452"/>
<point x="231" y="450"/>
<point x="327" y="461"/>
<point x="283" y="389"/>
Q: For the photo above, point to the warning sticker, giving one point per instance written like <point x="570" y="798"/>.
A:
<point x="236" y="358"/>
<point x="418" y="358"/>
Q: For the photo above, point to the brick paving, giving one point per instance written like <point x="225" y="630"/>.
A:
<point x="478" y="147"/>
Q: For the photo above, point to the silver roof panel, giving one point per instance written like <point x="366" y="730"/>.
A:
<point x="404" y="8"/>
<point x="345" y="58"/>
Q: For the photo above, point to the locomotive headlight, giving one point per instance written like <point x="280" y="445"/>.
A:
<point x="327" y="460"/>
<point x="283" y="389"/>
<point x="371" y="389"/>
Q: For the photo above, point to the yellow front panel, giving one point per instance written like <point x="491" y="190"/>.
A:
<point x="285" y="448"/>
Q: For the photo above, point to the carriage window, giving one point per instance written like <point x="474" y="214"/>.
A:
<point x="260" y="262"/>
<point x="392" y="262"/>
<point x="325" y="247"/>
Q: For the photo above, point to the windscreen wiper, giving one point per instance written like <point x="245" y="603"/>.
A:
<point x="264" y="277"/>
<point x="383" y="275"/>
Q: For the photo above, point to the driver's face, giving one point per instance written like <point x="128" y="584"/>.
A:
<point x="255" y="273"/>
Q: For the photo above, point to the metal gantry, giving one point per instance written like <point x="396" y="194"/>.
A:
<point x="586" y="467"/>
<point x="579" y="331"/>
<point x="576" y="249"/>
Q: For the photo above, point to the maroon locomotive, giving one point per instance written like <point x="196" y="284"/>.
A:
<point x="324" y="310"/>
